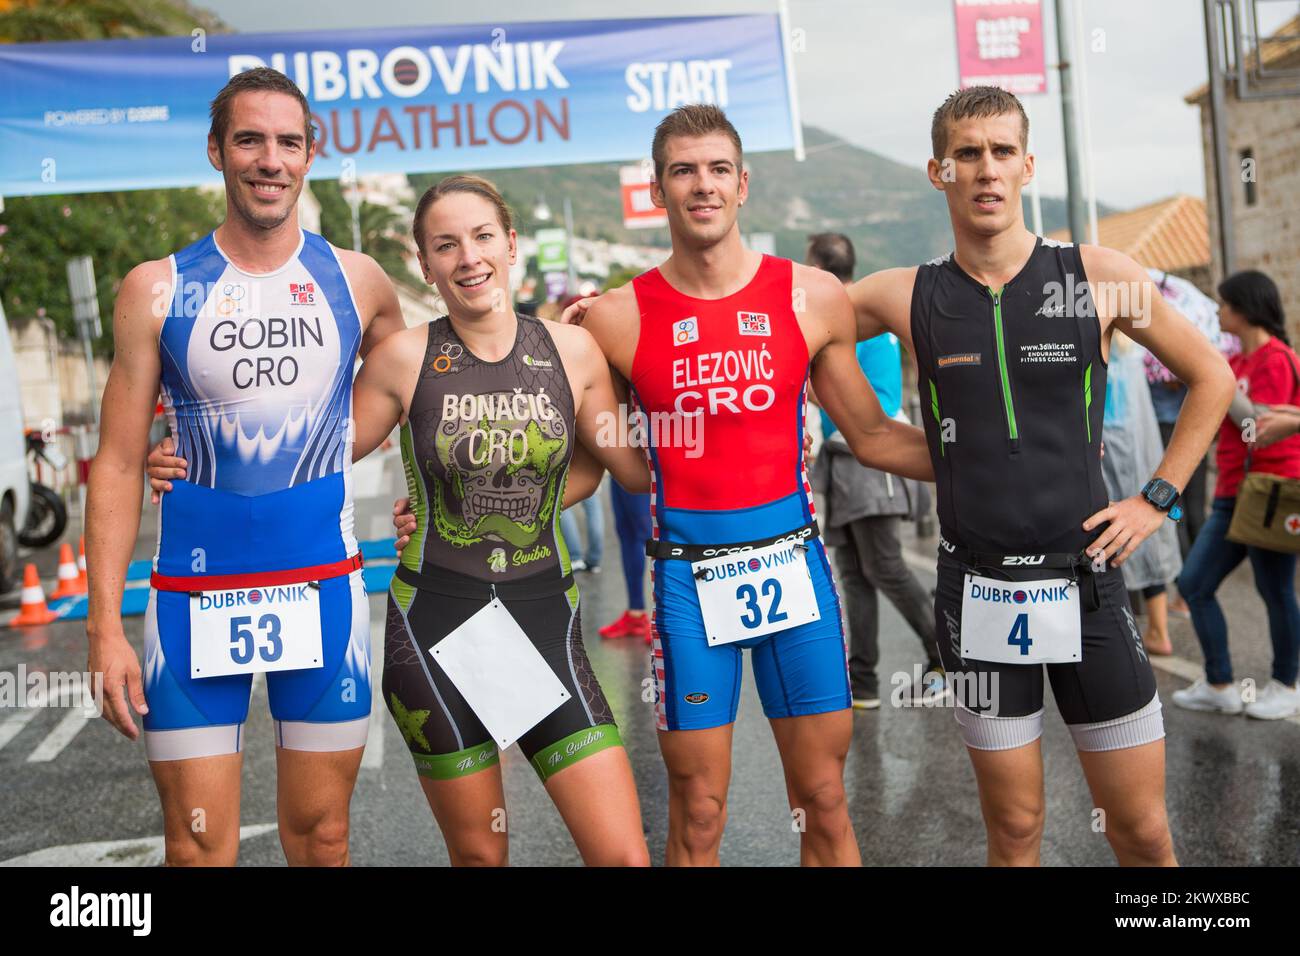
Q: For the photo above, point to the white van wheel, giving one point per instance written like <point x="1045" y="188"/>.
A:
<point x="8" y="548"/>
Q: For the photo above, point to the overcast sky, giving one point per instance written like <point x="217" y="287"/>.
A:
<point x="874" y="71"/>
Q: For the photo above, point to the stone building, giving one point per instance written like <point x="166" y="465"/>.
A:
<point x="1171" y="235"/>
<point x="1264" y="142"/>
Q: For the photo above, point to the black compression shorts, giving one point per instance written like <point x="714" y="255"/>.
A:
<point x="444" y="736"/>
<point x="1108" y="699"/>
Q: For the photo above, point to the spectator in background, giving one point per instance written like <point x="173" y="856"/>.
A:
<point x="632" y="522"/>
<point x="1131" y="437"/>
<point x="1267" y="373"/>
<point x="863" y="512"/>
<point x="1167" y="394"/>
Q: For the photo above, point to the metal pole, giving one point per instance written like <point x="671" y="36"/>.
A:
<point x="1069" y="122"/>
<point x="1089" y="184"/>
<point x="1035" y="197"/>
<point x="568" y="231"/>
<point x="1219" y="138"/>
<point x="792" y="88"/>
<point x="90" y="373"/>
<point x="85" y="311"/>
<point x="354" y="202"/>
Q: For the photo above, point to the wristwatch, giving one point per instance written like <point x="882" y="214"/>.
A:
<point x="1163" y="497"/>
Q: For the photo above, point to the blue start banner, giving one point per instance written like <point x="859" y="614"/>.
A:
<point x="133" y="114"/>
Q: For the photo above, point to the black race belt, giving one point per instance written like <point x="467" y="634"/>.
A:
<point x="702" y="552"/>
<point x="1080" y="567"/>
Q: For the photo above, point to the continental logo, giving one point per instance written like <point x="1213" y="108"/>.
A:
<point x="960" y="358"/>
<point x="696" y="698"/>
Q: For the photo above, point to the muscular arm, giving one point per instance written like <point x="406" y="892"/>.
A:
<point x="882" y="302"/>
<point x="375" y="295"/>
<point x="1149" y="320"/>
<point x="115" y="486"/>
<point x="875" y="439"/>
<point x="584" y="476"/>
<point x="600" y="428"/>
<point x="383" y="386"/>
<point x="1137" y="308"/>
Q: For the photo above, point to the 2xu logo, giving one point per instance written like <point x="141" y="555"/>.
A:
<point x="1023" y="560"/>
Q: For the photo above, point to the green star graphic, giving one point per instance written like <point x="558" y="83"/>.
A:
<point x="539" y="450"/>
<point x="409" y="723"/>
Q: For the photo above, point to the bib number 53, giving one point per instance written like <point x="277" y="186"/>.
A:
<point x="244" y="643"/>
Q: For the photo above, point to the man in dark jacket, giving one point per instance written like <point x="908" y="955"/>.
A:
<point x="863" y="510"/>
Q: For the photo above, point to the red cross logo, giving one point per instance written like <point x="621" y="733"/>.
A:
<point x="1293" y="524"/>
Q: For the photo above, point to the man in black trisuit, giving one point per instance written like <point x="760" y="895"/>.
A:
<point x="1011" y="334"/>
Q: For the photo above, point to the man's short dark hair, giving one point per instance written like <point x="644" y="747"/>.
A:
<point x="258" y="79"/>
<point x="692" y="121"/>
<point x="975" y="102"/>
<point x="833" y="252"/>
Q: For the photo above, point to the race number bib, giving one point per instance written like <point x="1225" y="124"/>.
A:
<point x="500" y="673"/>
<point x="755" y="593"/>
<point x="244" y="630"/>
<point x="1021" y="622"/>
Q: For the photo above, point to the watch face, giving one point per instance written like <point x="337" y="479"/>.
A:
<point x="1161" y="494"/>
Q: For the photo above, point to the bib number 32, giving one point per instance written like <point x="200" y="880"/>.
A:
<point x="753" y="616"/>
<point x="755" y="593"/>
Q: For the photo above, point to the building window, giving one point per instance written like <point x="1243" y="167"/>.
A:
<point x="1248" y="174"/>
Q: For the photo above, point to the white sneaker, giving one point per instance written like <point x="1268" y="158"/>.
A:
<point x="1203" y="696"/>
<point x="578" y="564"/>
<point x="1275" y="702"/>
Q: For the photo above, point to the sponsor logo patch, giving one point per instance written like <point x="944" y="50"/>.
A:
<point x="696" y="698"/>
<point x="686" y="330"/>
<point x="302" y="293"/>
<point x="960" y="358"/>
<point x="754" y="323"/>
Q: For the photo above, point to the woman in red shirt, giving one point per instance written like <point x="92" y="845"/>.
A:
<point x="1268" y="374"/>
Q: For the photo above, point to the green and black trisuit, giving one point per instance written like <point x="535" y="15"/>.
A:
<point x="486" y="450"/>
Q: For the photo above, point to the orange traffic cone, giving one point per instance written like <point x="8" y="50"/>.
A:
<point x="81" y="565"/>
<point x="70" y="583"/>
<point x="34" y="609"/>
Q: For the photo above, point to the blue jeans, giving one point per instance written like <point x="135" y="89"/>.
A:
<point x="632" y="521"/>
<point x="1212" y="558"/>
<point x="595" y="549"/>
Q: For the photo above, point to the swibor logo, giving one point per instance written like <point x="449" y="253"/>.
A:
<point x="407" y="71"/>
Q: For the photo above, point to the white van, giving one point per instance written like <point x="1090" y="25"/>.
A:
<point x="14" y="488"/>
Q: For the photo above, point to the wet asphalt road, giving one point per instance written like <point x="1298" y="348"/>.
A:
<point x="75" y="791"/>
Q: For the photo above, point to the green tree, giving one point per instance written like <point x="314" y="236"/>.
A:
<point x="38" y="234"/>
<point x="620" y="276"/>
<point x="383" y="230"/>
<point x="36" y="21"/>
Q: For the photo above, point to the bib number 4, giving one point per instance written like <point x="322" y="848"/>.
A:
<point x="1019" y="636"/>
<point x="1021" y="622"/>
